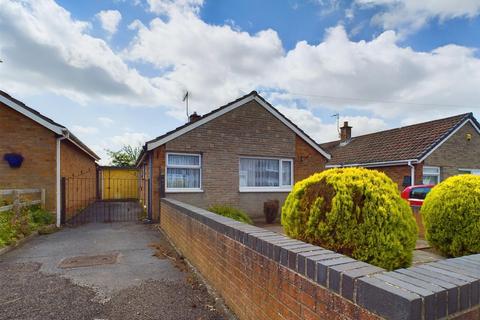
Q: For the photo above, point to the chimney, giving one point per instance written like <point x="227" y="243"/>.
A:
<point x="345" y="132"/>
<point x="194" y="117"/>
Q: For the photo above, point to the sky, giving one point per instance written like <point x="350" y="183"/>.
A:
<point x="115" y="71"/>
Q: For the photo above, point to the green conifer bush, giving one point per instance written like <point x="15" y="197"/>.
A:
<point x="353" y="211"/>
<point x="451" y="216"/>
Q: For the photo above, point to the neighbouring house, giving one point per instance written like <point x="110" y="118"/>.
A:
<point x="48" y="149"/>
<point x="424" y="153"/>
<point x="241" y="154"/>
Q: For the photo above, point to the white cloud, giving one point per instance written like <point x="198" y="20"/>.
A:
<point x="134" y="139"/>
<point x="84" y="130"/>
<point x="132" y="2"/>
<point x="410" y="15"/>
<point x="109" y="20"/>
<point x="105" y="121"/>
<point x="217" y="63"/>
<point x="328" y="131"/>
<point x="166" y="7"/>
<point x="46" y="50"/>
<point x="377" y="76"/>
<point x="116" y="142"/>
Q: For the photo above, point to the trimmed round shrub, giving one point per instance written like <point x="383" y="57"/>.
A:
<point x="451" y="216"/>
<point x="231" y="212"/>
<point x="353" y="211"/>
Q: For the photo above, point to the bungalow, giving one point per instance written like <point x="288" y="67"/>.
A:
<point x="424" y="153"/>
<point x="241" y="154"/>
<point x="48" y="149"/>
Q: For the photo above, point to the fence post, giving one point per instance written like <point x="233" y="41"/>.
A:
<point x="16" y="203"/>
<point x="42" y="198"/>
<point x="98" y="182"/>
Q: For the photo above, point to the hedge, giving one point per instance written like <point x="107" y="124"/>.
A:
<point x="451" y="216"/>
<point x="231" y="212"/>
<point x="353" y="211"/>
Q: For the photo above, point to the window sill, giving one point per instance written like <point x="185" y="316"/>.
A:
<point x="183" y="191"/>
<point x="265" y="189"/>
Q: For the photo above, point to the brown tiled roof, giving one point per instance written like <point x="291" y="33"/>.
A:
<point x="405" y="143"/>
<point x="38" y="114"/>
<point x="201" y="117"/>
<point x="253" y="93"/>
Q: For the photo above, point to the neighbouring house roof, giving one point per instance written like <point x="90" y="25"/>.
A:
<point x="152" y="144"/>
<point x="410" y="143"/>
<point x="46" y="122"/>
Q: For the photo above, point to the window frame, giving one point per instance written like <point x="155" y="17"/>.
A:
<point x="167" y="166"/>
<point x="280" y="188"/>
<point x="469" y="171"/>
<point x="438" y="174"/>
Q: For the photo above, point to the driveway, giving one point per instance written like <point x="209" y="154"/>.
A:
<point x="101" y="271"/>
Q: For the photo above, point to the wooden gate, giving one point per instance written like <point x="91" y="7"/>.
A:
<point x="118" y="183"/>
<point x="116" y="194"/>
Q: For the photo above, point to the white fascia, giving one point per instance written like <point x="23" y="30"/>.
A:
<point x="374" y="164"/>
<point x="57" y="129"/>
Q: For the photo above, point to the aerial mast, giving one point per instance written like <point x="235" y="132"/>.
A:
<point x="337" y="116"/>
<point x="185" y="99"/>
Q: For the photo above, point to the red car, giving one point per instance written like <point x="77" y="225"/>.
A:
<point x="416" y="194"/>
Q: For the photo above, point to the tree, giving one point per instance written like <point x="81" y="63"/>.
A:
<point x="125" y="157"/>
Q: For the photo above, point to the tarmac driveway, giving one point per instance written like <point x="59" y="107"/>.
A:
<point x="101" y="271"/>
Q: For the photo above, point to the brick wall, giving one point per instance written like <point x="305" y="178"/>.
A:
<point x="158" y="170"/>
<point x="37" y="144"/>
<point x="75" y="162"/>
<point x="457" y="152"/>
<point x="19" y="134"/>
<point x="80" y="171"/>
<point x="249" y="130"/>
<point x="396" y="173"/>
<point x="263" y="275"/>
<point x="307" y="160"/>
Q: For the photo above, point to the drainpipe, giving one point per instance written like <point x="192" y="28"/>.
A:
<point x="58" y="176"/>
<point x="412" y="173"/>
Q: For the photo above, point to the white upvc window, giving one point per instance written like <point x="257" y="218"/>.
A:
<point x="258" y="174"/>
<point x="475" y="172"/>
<point x="183" y="172"/>
<point x="431" y="175"/>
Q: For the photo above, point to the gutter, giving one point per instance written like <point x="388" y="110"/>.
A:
<point x="374" y="164"/>
<point x="64" y="136"/>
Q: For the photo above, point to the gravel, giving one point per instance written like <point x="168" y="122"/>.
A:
<point x="27" y="293"/>
<point x="163" y="300"/>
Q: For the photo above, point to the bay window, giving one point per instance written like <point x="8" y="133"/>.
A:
<point x="265" y="174"/>
<point x="183" y="172"/>
<point x="431" y="175"/>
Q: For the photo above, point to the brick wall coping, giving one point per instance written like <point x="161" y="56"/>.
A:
<point x="433" y="290"/>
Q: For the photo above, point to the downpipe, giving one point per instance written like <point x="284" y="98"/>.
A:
<point x="58" y="176"/>
<point x="412" y="173"/>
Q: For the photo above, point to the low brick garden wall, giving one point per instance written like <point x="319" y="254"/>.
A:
<point x="263" y="275"/>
